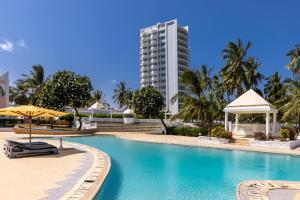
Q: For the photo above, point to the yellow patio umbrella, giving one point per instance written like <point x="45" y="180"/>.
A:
<point x="30" y="112"/>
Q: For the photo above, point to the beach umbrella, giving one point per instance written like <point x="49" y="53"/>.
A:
<point x="30" y="111"/>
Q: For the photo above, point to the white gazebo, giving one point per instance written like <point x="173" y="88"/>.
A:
<point x="249" y="103"/>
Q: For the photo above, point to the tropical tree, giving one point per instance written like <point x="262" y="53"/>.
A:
<point x="29" y="88"/>
<point x="148" y="102"/>
<point x="234" y="71"/>
<point x="98" y="96"/>
<point x="294" y="64"/>
<point x="291" y="108"/>
<point x="198" y="98"/>
<point x="253" y="77"/>
<point x="67" y="89"/>
<point x="18" y="95"/>
<point x="122" y="95"/>
<point x="239" y="72"/>
<point x="274" y="88"/>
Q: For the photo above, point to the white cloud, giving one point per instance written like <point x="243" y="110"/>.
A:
<point x="22" y="43"/>
<point x="7" y="46"/>
<point x="113" y="82"/>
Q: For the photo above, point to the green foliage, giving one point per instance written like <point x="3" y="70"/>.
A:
<point x="98" y="96"/>
<point x="284" y="133"/>
<point x="148" y="102"/>
<point x="29" y="88"/>
<point x="83" y="115"/>
<point x="202" y="97"/>
<point x="123" y="95"/>
<point x="10" y="122"/>
<point x="101" y="115"/>
<point x="66" y="88"/>
<point x="294" y="64"/>
<point x="240" y="72"/>
<point x="291" y="107"/>
<point x="288" y="132"/>
<point x="69" y="118"/>
<point x="187" y="131"/>
<point x="220" y="132"/>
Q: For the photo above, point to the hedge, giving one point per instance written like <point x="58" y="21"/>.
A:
<point x="187" y="131"/>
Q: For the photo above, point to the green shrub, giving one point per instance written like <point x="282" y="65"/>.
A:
<point x="10" y="122"/>
<point x="102" y="115"/>
<point x="220" y="132"/>
<point x="284" y="133"/>
<point x="69" y="118"/>
<point x="187" y="131"/>
<point x="288" y="132"/>
<point x="83" y="115"/>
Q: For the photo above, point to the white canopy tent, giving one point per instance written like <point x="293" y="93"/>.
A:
<point x="248" y="103"/>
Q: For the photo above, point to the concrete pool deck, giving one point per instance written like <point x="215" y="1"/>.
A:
<point x="193" y="141"/>
<point x="77" y="172"/>
<point x="63" y="170"/>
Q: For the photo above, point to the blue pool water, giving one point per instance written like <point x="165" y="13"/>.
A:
<point x="146" y="171"/>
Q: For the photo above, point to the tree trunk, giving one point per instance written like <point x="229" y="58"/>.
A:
<point x="79" y="119"/>
<point x="164" y="124"/>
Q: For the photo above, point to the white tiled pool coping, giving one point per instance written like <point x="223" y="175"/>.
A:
<point x="90" y="184"/>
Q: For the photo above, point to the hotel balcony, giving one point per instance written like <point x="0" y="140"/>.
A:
<point x="144" y="62"/>
<point x="153" y="42"/>
<point x="153" y="48"/>
<point x="154" y="60"/>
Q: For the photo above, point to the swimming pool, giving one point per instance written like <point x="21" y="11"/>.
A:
<point x="144" y="171"/>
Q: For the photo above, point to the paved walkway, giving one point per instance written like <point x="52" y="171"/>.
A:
<point x="268" y="190"/>
<point x="77" y="172"/>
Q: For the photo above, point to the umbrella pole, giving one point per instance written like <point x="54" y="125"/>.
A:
<point x="30" y="121"/>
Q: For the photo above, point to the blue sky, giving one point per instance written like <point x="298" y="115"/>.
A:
<point x="101" y="38"/>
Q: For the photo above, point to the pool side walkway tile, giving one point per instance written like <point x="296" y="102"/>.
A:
<point x="89" y="177"/>
<point x="259" y="190"/>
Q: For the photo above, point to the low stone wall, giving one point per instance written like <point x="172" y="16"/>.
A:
<point x="53" y="131"/>
<point x="213" y="140"/>
<point x="275" y="143"/>
<point x="4" y="129"/>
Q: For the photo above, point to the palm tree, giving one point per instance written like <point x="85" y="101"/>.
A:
<point x="30" y="86"/>
<point x="18" y="95"/>
<point x="253" y="77"/>
<point x="274" y="89"/>
<point x="122" y="95"/>
<point x="234" y="71"/>
<point x="197" y="96"/>
<point x="98" y="96"/>
<point x="294" y="64"/>
<point x="291" y="108"/>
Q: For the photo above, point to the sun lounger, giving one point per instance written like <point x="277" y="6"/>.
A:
<point x="29" y="149"/>
<point x="9" y="143"/>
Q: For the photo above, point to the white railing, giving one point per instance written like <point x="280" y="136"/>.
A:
<point x="250" y="129"/>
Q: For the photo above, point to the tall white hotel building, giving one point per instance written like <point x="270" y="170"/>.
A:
<point x="164" y="55"/>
